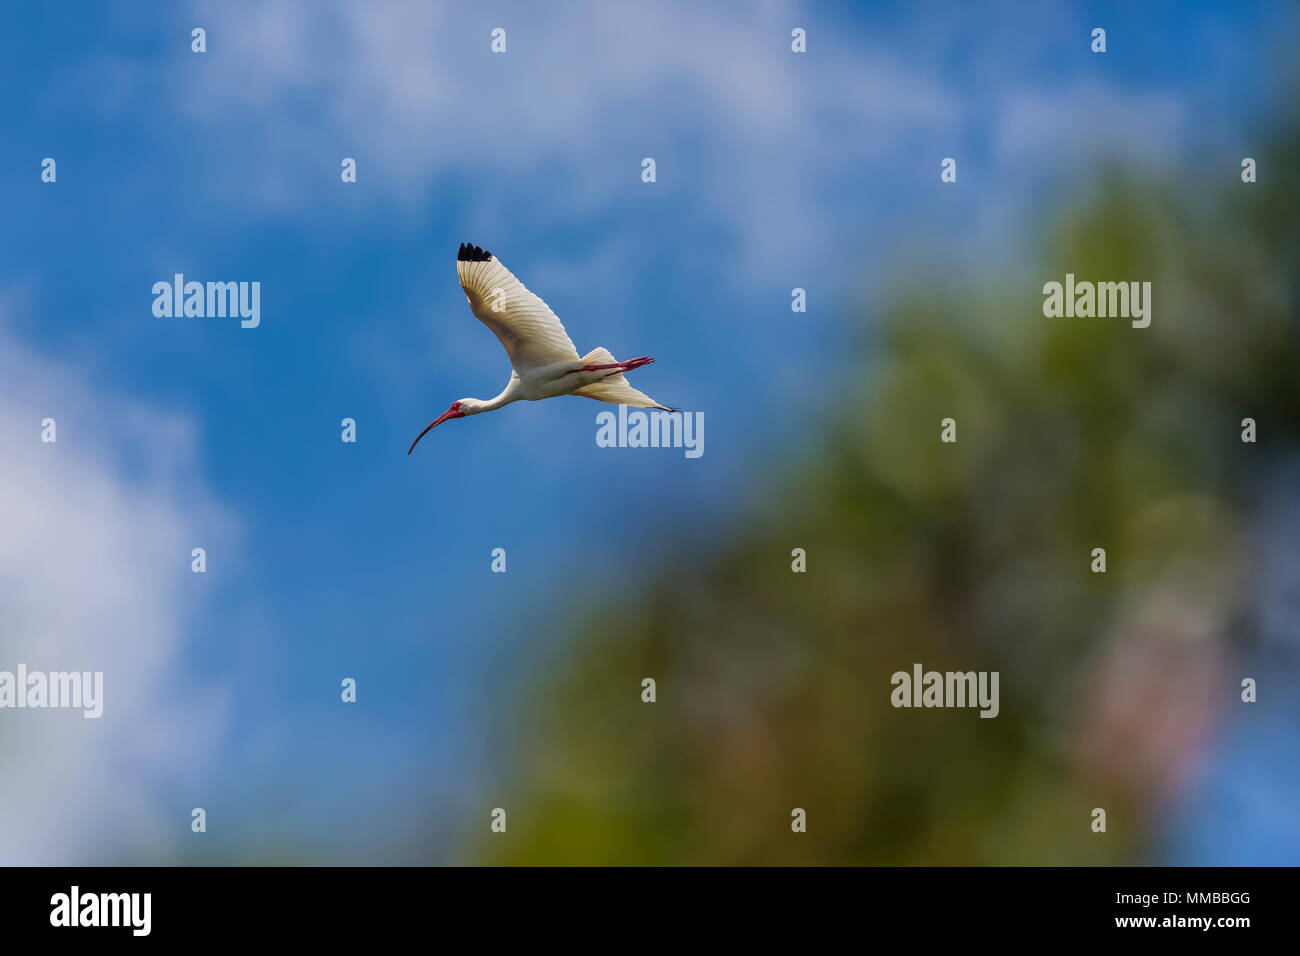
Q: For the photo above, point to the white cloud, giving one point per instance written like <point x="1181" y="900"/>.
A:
<point x="557" y="126"/>
<point x="95" y="535"/>
<point x="1072" y="126"/>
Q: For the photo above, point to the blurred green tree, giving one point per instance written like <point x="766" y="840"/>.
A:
<point x="1073" y="433"/>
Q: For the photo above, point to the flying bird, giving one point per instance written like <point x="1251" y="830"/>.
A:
<point x="543" y="361"/>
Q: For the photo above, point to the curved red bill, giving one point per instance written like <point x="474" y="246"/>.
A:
<point x="452" y="412"/>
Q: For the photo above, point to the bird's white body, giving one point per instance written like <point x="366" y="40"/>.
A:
<point x="544" y="362"/>
<point x="543" y="381"/>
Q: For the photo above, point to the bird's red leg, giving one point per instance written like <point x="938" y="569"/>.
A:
<point x="621" y="366"/>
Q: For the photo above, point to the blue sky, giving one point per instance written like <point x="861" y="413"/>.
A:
<point x="328" y="560"/>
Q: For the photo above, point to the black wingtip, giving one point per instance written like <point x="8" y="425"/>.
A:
<point x="472" y="253"/>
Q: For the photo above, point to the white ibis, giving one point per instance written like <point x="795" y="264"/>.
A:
<point x="543" y="361"/>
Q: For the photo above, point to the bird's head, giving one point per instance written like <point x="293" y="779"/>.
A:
<point x="459" y="409"/>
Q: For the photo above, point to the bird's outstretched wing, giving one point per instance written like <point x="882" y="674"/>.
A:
<point x="529" y="330"/>
<point x="618" y="391"/>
